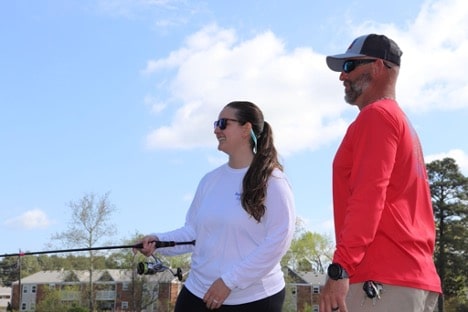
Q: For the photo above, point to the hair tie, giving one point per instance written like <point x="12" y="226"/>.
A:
<point x="254" y="138"/>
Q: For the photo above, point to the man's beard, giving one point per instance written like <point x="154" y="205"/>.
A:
<point x="357" y="87"/>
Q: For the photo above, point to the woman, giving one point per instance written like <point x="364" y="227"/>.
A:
<point x="242" y="218"/>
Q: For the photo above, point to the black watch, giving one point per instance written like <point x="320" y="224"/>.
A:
<point x="336" y="272"/>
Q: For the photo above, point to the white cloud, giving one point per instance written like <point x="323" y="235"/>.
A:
<point x="214" y="68"/>
<point x="300" y="97"/>
<point x="461" y="158"/>
<point x="434" y="46"/>
<point x="155" y="105"/>
<point x="31" y="219"/>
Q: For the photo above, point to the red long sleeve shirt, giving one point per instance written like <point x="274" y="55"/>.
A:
<point x="384" y="223"/>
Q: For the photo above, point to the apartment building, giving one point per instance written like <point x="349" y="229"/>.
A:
<point x="306" y="288"/>
<point x="114" y="290"/>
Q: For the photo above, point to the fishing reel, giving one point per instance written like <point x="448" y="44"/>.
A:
<point x="156" y="266"/>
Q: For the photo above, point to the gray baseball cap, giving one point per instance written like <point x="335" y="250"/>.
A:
<point x="372" y="45"/>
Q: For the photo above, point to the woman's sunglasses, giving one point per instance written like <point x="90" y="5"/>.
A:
<point x="350" y="65"/>
<point x="223" y="122"/>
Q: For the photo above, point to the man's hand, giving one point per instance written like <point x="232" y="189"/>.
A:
<point x="332" y="297"/>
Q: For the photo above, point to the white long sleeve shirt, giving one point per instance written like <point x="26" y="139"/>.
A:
<point x="230" y="243"/>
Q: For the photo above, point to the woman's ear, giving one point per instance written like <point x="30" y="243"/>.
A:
<point x="246" y="129"/>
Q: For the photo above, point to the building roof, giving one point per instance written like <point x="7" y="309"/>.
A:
<point x="313" y="278"/>
<point x="103" y="276"/>
<point x="306" y="277"/>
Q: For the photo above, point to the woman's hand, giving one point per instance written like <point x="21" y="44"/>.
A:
<point x="148" y="245"/>
<point x="216" y="294"/>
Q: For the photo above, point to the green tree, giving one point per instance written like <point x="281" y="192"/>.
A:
<point x="309" y="251"/>
<point x="14" y="268"/>
<point x="76" y="308"/>
<point x="51" y="301"/>
<point x="29" y="265"/>
<point x="89" y="224"/>
<point x="449" y="190"/>
<point x="9" y="270"/>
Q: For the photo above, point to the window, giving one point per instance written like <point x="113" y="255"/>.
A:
<point x="124" y="286"/>
<point x="316" y="289"/>
<point x="124" y="305"/>
<point x="315" y="308"/>
<point x="33" y="288"/>
<point x="23" y="306"/>
<point x="25" y="289"/>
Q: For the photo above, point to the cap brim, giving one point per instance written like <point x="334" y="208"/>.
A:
<point x="335" y="62"/>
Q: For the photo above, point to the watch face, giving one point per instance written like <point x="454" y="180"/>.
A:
<point x="334" y="271"/>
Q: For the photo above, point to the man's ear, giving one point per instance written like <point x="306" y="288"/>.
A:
<point x="381" y="66"/>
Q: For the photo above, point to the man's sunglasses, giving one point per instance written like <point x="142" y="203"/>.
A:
<point x="350" y="65"/>
<point x="223" y="122"/>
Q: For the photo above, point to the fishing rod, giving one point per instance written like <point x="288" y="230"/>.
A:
<point x="159" y="244"/>
<point x="143" y="268"/>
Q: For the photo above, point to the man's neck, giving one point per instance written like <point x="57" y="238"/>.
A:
<point x="373" y="97"/>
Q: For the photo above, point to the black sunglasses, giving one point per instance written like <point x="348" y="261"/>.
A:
<point x="223" y="122"/>
<point x="350" y="65"/>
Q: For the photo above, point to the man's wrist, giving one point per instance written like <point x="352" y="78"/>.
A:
<point x="336" y="271"/>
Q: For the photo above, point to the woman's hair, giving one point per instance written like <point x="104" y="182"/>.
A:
<point x="265" y="158"/>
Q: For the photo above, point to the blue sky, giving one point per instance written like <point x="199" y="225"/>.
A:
<point x="120" y="96"/>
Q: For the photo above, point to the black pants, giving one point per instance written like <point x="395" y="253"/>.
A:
<point x="188" y="302"/>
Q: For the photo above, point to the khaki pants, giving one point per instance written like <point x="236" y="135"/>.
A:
<point x="392" y="298"/>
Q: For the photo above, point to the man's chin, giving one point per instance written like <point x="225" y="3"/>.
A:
<point x="349" y="100"/>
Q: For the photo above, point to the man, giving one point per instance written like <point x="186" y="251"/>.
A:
<point x="384" y="223"/>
